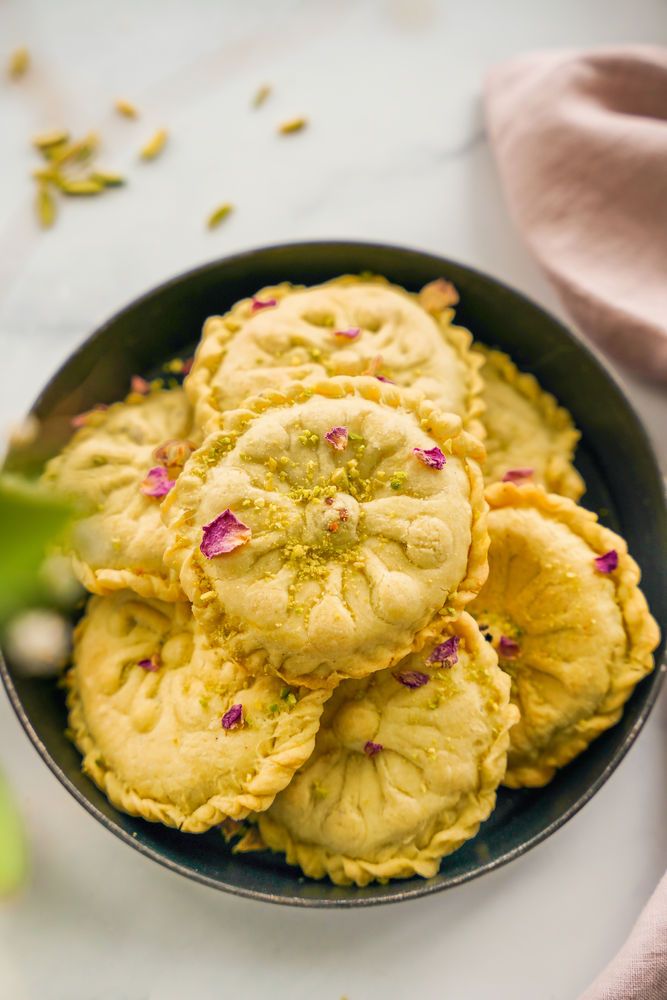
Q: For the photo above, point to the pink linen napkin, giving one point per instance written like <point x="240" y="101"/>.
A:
<point x="580" y="140"/>
<point x="639" y="971"/>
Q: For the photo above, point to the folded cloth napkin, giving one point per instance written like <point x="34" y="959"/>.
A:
<point x="581" y="145"/>
<point x="639" y="971"/>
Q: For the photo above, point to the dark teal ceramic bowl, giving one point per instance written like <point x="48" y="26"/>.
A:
<point x="615" y="458"/>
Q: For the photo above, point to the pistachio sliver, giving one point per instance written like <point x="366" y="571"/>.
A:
<point x="87" y="186"/>
<point x="19" y="63"/>
<point x="77" y="151"/>
<point x="261" y="94"/>
<point x="46" y="207"/>
<point x="219" y="214"/>
<point x="292" y="125"/>
<point x="155" y="145"/>
<point x="126" y="108"/>
<point x="47" y="140"/>
<point x="107" y="178"/>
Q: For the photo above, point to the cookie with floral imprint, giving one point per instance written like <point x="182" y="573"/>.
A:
<point x="405" y="767"/>
<point x="351" y="325"/>
<point x="118" y="467"/>
<point x="563" y="608"/>
<point x="322" y="530"/>
<point x="170" y="729"/>
<point x="529" y="437"/>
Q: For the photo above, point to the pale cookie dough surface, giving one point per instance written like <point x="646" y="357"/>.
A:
<point x="400" y="776"/>
<point x="526" y="428"/>
<point x="300" y="338"/>
<point x="584" y="637"/>
<point x="153" y="739"/>
<point x="118" y="538"/>
<point x="353" y="552"/>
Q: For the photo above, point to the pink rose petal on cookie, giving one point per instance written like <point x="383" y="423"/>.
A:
<point x="233" y="718"/>
<point x="412" y="678"/>
<point x="608" y="562"/>
<point x="518" y="475"/>
<point x="350" y="334"/>
<point x="157" y="483"/>
<point x="224" y="534"/>
<point x="337" y="437"/>
<point x="508" y="648"/>
<point x="438" y="295"/>
<point x="258" y="304"/>
<point x="187" y="365"/>
<point x="140" y="385"/>
<point x="371" y="749"/>
<point x="383" y="378"/>
<point x="81" y="419"/>
<point x="432" y="457"/>
<point x="152" y="664"/>
<point x="446" y="654"/>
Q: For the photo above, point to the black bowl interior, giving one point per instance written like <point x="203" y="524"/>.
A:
<point x="615" y="458"/>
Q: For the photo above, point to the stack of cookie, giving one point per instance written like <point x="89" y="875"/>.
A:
<point x="342" y="586"/>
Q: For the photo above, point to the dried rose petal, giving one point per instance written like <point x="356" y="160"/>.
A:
<point x="233" y="717"/>
<point x="151" y="664"/>
<point x="157" y="483"/>
<point x="438" y="295"/>
<point x="224" y="534"/>
<point x="608" y="562"/>
<point x="187" y="365"/>
<point x="412" y="678"/>
<point x="517" y="475"/>
<point x="175" y="452"/>
<point x="81" y="419"/>
<point x="446" y="654"/>
<point x="508" y="648"/>
<point x="350" y="334"/>
<point x="140" y="385"/>
<point x="383" y="378"/>
<point x="258" y="304"/>
<point x="371" y="749"/>
<point x="337" y="437"/>
<point x="432" y="457"/>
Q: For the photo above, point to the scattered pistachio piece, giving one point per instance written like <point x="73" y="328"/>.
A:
<point x="47" y="140"/>
<point x="77" y="151"/>
<point x="83" y="187"/>
<point x="107" y="178"/>
<point x="46" y="207"/>
<point x="219" y="214"/>
<point x="155" y="145"/>
<point x="126" y="108"/>
<point x="19" y="63"/>
<point x="261" y="95"/>
<point x="292" y="125"/>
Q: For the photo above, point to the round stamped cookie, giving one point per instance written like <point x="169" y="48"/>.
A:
<point x="118" y="468"/>
<point x="529" y="437"/>
<point x="405" y="767"/>
<point x="172" y="731"/>
<point x="563" y="608"/>
<point x="321" y="530"/>
<point x="348" y="326"/>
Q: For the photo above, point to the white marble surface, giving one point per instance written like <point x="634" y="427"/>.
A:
<point x="395" y="152"/>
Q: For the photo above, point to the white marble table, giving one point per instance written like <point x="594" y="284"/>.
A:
<point x="395" y="152"/>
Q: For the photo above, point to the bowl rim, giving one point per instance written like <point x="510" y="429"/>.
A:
<point x="427" y="887"/>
